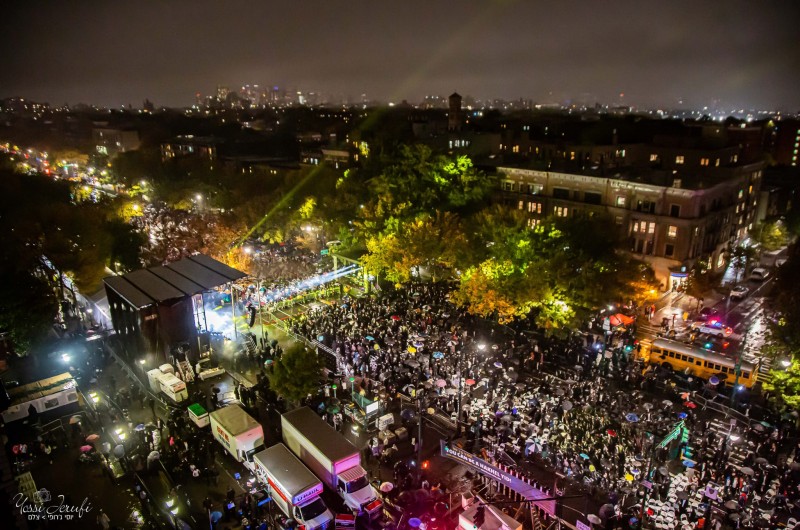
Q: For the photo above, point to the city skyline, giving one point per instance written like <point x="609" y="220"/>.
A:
<point x="731" y="55"/>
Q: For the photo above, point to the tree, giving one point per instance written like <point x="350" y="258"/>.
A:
<point x="785" y="386"/>
<point x="742" y="256"/>
<point x="770" y="235"/>
<point x="296" y="374"/>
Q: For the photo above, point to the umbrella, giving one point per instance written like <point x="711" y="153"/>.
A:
<point x="86" y="448"/>
<point x="414" y="522"/>
<point x="611" y="432"/>
<point x="412" y="349"/>
<point x="469" y="382"/>
<point x="606" y="511"/>
<point x="441" y="383"/>
<point x="334" y="409"/>
<point x="139" y="427"/>
<point x="106" y="447"/>
<point x="663" y="470"/>
<point x="765" y="424"/>
<point x="395" y="317"/>
<point x="667" y="403"/>
<point x="567" y="406"/>
<point x="559" y="392"/>
<point x="369" y="337"/>
<point x="216" y="517"/>
<point x="152" y="426"/>
<point x="761" y="461"/>
<point x="119" y="451"/>
<point x="386" y="487"/>
<point x="92" y="438"/>
<point x="584" y="456"/>
<point x="734" y="517"/>
<point x="498" y="364"/>
<point x="747" y="471"/>
<point x="631" y="417"/>
<point x="682" y="494"/>
<point x="714" y="380"/>
<point x="682" y="415"/>
<point x="648" y="406"/>
<point x="690" y="405"/>
<point x="451" y="391"/>
<point x="594" y="519"/>
<point x="438" y="355"/>
<point x="154" y="455"/>
<point x="320" y="337"/>
<point x="685" y="395"/>
<point x="75" y="419"/>
<point x="688" y="463"/>
<point x="407" y="414"/>
<point x="732" y="505"/>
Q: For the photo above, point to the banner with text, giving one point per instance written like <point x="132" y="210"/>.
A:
<point x="515" y="483"/>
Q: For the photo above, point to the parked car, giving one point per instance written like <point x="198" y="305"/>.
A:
<point x="759" y="274"/>
<point x="739" y="292"/>
<point x="708" y="312"/>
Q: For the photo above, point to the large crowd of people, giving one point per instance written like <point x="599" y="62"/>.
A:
<point x="583" y="409"/>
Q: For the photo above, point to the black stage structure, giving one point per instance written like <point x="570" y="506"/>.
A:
<point x="155" y="309"/>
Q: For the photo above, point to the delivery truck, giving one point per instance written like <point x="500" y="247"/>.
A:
<point x="239" y="433"/>
<point x="294" y="489"/>
<point x="331" y="457"/>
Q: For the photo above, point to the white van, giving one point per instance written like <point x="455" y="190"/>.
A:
<point x="759" y="274"/>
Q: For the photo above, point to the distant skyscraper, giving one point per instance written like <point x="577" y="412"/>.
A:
<point x="454" y="112"/>
<point x="222" y="92"/>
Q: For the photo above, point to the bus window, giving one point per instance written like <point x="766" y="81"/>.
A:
<point x="724" y="369"/>
<point x="746" y="375"/>
<point x="684" y="357"/>
<point x="709" y="365"/>
<point x="699" y="362"/>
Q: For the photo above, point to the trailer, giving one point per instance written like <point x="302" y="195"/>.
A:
<point x="294" y="489"/>
<point x="331" y="457"/>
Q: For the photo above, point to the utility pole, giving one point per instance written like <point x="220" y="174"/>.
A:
<point x="460" y="388"/>
<point x="738" y="369"/>
<point x="419" y="436"/>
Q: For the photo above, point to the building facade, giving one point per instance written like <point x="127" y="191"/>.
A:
<point x="673" y="224"/>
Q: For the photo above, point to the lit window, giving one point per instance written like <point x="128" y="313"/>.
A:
<point x="651" y="228"/>
<point x="741" y="193"/>
<point x="704" y="161"/>
<point x="679" y="159"/>
<point x="572" y="155"/>
<point x="653" y="157"/>
<point x="636" y="226"/>
<point x="621" y="202"/>
<point x="521" y="205"/>
<point x="672" y="231"/>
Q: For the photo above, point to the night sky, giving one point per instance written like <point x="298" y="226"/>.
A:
<point x="726" y="53"/>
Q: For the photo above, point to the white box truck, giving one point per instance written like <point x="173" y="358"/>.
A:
<point x="173" y="388"/>
<point x="331" y="457"/>
<point x="294" y="489"/>
<point x="238" y="432"/>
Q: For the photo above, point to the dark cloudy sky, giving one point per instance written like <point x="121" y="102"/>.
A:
<point x="739" y="53"/>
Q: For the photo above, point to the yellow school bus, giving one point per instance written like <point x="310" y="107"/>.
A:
<point x="698" y="362"/>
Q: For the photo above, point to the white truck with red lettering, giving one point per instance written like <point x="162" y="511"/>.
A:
<point x="331" y="457"/>
<point x="237" y="431"/>
<point x="294" y="489"/>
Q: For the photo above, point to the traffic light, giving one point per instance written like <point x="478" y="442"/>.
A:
<point x="426" y="464"/>
<point x="480" y="516"/>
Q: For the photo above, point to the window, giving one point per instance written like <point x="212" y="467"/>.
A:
<point x="669" y="250"/>
<point x="741" y="193"/>
<point x="651" y="228"/>
<point x="653" y="157"/>
<point x="572" y="155"/>
<point x="672" y="231"/>
<point x="746" y="375"/>
<point x="50" y="403"/>
<point x="508" y="186"/>
<point x="592" y="198"/>
<point x="679" y="159"/>
<point x="704" y="161"/>
<point x="521" y="205"/>
<point x="621" y="202"/>
<point x="636" y="226"/>
<point x="735" y="158"/>
<point x="675" y="210"/>
<point x="716" y="163"/>
<point x="535" y="207"/>
<point x="532" y="222"/>
<point x="515" y="149"/>
<point x="561" y="193"/>
<point x="561" y="211"/>
<point x="618" y="220"/>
